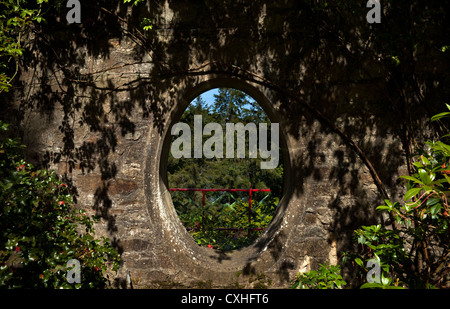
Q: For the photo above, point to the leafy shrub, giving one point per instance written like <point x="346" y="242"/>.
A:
<point x="326" y="277"/>
<point x="414" y="251"/>
<point x="16" y="18"/>
<point x="210" y="225"/>
<point x="40" y="230"/>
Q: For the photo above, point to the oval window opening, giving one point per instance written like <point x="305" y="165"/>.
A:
<point x="225" y="169"/>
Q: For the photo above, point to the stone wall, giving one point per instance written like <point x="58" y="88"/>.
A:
<point x="96" y="102"/>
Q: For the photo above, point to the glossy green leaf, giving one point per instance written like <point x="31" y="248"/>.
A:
<point x="439" y="116"/>
<point x="359" y="262"/>
<point x="425" y="177"/>
<point x="411" y="178"/>
<point x="411" y="193"/>
<point x="432" y="201"/>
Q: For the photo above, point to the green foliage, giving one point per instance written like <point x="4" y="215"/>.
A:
<point x="441" y="115"/>
<point x="40" y="230"/>
<point x="326" y="277"/>
<point x="230" y="106"/>
<point x="385" y="282"/>
<point x="133" y="2"/>
<point x="146" y="24"/>
<point x="415" y="250"/>
<point x="16" y="18"/>
<point x="230" y="210"/>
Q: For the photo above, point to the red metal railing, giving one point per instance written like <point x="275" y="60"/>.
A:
<point x="229" y="190"/>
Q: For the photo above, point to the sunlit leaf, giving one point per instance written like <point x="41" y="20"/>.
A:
<point x="411" y="193"/>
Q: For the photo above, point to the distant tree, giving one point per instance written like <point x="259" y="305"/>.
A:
<point x="230" y="106"/>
